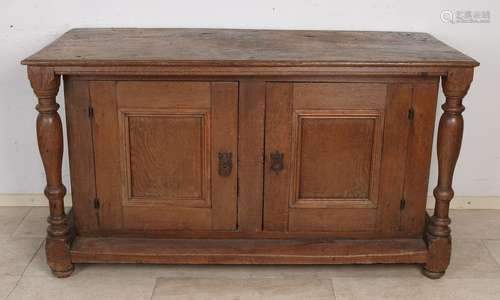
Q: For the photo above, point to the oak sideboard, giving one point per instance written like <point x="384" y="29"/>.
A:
<point x="226" y="146"/>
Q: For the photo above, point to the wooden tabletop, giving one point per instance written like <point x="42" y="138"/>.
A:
<point x="236" y="47"/>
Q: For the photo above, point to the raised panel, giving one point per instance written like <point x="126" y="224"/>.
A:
<point x="327" y="168"/>
<point x="336" y="157"/>
<point x="166" y="155"/>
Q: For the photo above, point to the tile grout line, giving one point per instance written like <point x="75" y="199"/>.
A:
<point x="12" y="235"/>
<point x="25" y="268"/>
<point x="333" y="289"/>
<point x="483" y="242"/>
<point x="154" y="289"/>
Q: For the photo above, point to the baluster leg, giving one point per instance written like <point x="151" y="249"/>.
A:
<point x="438" y="237"/>
<point x="45" y="84"/>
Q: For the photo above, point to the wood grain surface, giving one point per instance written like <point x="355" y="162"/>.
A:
<point x="236" y="47"/>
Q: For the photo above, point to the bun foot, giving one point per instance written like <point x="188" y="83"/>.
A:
<point x="432" y="274"/>
<point x="65" y="273"/>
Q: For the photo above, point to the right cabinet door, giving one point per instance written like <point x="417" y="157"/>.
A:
<point x="336" y="155"/>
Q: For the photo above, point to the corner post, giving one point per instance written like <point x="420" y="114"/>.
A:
<point x="45" y="84"/>
<point x="438" y="237"/>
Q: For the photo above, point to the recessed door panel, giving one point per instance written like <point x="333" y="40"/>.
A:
<point x="171" y="156"/>
<point x="167" y="153"/>
<point x="337" y="158"/>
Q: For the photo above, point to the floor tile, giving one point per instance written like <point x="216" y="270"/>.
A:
<point x="34" y="224"/>
<point x="16" y="254"/>
<point x="84" y="287"/>
<point x="377" y="270"/>
<point x="7" y="284"/>
<point x="242" y="289"/>
<point x="475" y="224"/>
<point x="38" y="265"/>
<point x="243" y="271"/>
<point x="38" y="268"/>
<point x="471" y="259"/>
<point x="474" y="272"/>
<point x="415" y="288"/>
<point x="494" y="249"/>
<point x="10" y="218"/>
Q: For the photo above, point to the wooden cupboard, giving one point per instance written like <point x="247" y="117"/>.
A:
<point x="241" y="146"/>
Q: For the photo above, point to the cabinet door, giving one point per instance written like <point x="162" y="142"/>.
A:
<point x="335" y="155"/>
<point x="165" y="154"/>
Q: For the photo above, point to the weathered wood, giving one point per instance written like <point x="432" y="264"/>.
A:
<point x="249" y="146"/>
<point x="207" y="251"/>
<point x="157" y="154"/>
<point x="418" y="158"/>
<point x="81" y="154"/>
<point x="393" y="166"/>
<point x="278" y="129"/>
<point x="251" y="120"/>
<point x="240" y="47"/>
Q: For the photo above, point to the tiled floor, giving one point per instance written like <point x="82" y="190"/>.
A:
<point x="474" y="272"/>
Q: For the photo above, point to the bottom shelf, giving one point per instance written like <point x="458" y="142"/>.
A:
<point x="238" y="251"/>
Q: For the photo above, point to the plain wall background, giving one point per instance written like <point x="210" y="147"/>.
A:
<point x="28" y="25"/>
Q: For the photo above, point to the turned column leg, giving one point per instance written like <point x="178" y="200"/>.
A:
<point x="438" y="237"/>
<point x="50" y="143"/>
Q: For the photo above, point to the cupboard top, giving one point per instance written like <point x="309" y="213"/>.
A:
<point x="236" y="47"/>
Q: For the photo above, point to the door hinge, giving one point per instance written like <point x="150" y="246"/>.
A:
<point x="402" y="204"/>
<point x="97" y="203"/>
<point x="411" y="114"/>
<point x="91" y="112"/>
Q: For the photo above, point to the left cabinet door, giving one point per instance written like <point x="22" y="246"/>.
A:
<point x="165" y="154"/>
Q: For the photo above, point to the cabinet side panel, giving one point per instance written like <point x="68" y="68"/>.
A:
<point x="81" y="158"/>
<point x="107" y="153"/>
<point x="250" y="151"/>
<point x="393" y="161"/>
<point x="419" y="157"/>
